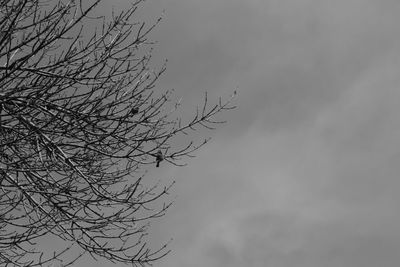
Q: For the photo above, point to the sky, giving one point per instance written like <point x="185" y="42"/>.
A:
<point x="305" y="172"/>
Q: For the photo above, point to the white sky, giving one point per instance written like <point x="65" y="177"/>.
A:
<point x="305" y="173"/>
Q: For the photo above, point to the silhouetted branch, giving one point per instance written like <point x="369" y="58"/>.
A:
<point x="79" y="120"/>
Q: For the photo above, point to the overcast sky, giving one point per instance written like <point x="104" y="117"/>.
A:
<point x="306" y="171"/>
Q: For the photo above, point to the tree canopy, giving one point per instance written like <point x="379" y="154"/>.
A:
<point x="80" y="119"/>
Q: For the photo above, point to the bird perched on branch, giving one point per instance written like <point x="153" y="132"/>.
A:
<point x="159" y="157"/>
<point x="134" y="111"/>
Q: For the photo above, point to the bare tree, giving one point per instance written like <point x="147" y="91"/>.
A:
<point x="80" y="120"/>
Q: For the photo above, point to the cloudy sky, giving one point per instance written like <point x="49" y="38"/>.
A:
<point x="305" y="172"/>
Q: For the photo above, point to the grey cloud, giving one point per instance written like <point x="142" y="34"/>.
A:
<point x="283" y="241"/>
<point x="306" y="171"/>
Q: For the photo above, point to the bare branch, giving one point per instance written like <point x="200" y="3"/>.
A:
<point x="80" y="120"/>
